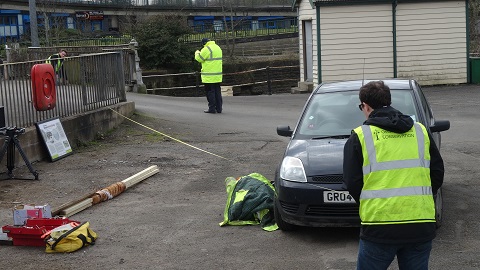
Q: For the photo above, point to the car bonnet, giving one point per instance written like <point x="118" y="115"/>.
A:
<point x="319" y="157"/>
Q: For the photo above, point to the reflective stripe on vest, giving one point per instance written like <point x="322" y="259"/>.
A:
<point x="57" y="66"/>
<point x="395" y="190"/>
<point x="211" y="56"/>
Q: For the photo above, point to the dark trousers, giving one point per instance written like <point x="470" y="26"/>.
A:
<point x="375" y="256"/>
<point x="214" y="97"/>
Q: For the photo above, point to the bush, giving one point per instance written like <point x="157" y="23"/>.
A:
<point x="159" y="46"/>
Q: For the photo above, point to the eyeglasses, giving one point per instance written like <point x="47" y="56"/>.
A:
<point x="360" y="106"/>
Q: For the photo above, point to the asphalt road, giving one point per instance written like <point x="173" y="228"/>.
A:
<point x="257" y="117"/>
<point x="170" y="220"/>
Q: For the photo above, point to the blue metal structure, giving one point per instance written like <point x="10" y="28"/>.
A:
<point x="203" y="24"/>
<point x="101" y="17"/>
<point x="11" y="25"/>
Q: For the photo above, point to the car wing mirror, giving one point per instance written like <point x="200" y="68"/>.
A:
<point x="440" y="125"/>
<point x="284" y="131"/>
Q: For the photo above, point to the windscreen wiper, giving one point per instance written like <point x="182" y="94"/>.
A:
<point x="331" y="137"/>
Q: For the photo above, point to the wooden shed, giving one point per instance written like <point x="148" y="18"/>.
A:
<point x="425" y="40"/>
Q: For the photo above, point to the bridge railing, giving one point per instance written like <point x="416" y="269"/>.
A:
<point x="178" y="3"/>
<point x="86" y="42"/>
<point x="244" y="30"/>
<point x="86" y="85"/>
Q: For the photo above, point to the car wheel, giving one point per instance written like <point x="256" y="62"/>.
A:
<point x="438" y="198"/>
<point x="282" y="225"/>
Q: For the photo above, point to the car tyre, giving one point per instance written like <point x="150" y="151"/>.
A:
<point x="438" y="198"/>
<point x="282" y="225"/>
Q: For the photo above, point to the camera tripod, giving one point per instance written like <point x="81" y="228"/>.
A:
<point x="11" y="141"/>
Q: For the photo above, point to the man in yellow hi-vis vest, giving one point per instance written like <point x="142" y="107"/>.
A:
<point x="56" y="60"/>
<point x="392" y="168"/>
<point x="210" y="56"/>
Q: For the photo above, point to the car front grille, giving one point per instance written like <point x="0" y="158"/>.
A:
<point x="289" y="207"/>
<point x="337" y="210"/>
<point x="323" y="210"/>
<point x="331" y="179"/>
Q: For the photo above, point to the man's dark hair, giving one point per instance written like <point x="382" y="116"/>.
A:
<point x="205" y="40"/>
<point x="376" y="94"/>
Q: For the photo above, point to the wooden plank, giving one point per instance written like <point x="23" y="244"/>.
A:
<point x="57" y="210"/>
<point x="79" y="205"/>
<point x="134" y="179"/>
<point x="72" y="210"/>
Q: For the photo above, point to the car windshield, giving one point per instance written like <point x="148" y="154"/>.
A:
<point x="337" y="113"/>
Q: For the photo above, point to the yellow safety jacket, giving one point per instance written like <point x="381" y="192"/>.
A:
<point x="56" y="65"/>
<point x="396" y="176"/>
<point x="211" y="59"/>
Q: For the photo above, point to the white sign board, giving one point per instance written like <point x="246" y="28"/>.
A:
<point x="54" y="138"/>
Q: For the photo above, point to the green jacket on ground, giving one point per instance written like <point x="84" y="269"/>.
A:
<point x="250" y="202"/>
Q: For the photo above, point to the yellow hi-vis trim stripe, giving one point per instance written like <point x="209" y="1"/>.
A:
<point x="395" y="192"/>
<point x="170" y="137"/>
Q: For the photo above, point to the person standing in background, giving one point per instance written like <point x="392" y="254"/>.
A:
<point x="56" y="60"/>
<point x="210" y="56"/>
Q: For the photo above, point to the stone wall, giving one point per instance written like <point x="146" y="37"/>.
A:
<point x="79" y="129"/>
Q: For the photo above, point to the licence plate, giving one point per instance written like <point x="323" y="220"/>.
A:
<point x="337" y="197"/>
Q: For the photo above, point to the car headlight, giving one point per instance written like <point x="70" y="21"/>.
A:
<point x="292" y="170"/>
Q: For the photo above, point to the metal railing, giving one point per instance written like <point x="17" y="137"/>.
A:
<point x="89" y="82"/>
<point x="23" y="54"/>
<point x="174" y="3"/>
<point x="244" y="30"/>
<point x="83" y="42"/>
<point x="268" y="80"/>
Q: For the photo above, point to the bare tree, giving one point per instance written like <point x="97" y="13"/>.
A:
<point x="54" y="27"/>
<point x="232" y="22"/>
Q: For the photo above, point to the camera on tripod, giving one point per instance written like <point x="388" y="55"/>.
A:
<point x="11" y="131"/>
<point x="11" y="142"/>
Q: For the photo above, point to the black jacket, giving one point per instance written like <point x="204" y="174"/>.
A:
<point x="389" y="119"/>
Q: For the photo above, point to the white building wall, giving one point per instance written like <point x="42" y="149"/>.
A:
<point x="356" y="42"/>
<point x="431" y="42"/>
<point x="307" y="12"/>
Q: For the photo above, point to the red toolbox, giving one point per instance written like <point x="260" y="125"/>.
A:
<point x="30" y="234"/>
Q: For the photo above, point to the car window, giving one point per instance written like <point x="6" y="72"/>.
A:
<point x="337" y="113"/>
<point x="426" y="108"/>
<point x="331" y="114"/>
<point x="403" y="101"/>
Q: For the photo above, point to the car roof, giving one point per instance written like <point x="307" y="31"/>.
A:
<point x="397" y="84"/>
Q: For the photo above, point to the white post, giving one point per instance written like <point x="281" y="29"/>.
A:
<point x="9" y="60"/>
